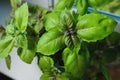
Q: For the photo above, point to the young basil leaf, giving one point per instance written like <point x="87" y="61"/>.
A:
<point x="38" y="27"/>
<point x="21" y="17"/>
<point x="52" y="20"/>
<point x="67" y="19"/>
<point x="105" y="72"/>
<point x="95" y="26"/>
<point x="10" y="29"/>
<point x="22" y="41"/>
<point x="8" y="61"/>
<point x="62" y="4"/>
<point x="98" y="3"/>
<point x="50" y="42"/>
<point x="75" y="63"/>
<point x="6" y="46"/>
<point x="47" y="76"/>
<point x="26" y="55"/>
<point x="72" y="42"/>
<point x="62" y="77"/>
<point x="46" y="64"/>
<point x="81" y="6"/>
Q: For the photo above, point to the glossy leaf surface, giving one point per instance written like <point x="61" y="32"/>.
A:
<point x="82" y="6"/>
<point x="75" y="63"/>
<point x="95" y="26"/>
<point x="52" y="20"/>
<point x="50" y="42"/>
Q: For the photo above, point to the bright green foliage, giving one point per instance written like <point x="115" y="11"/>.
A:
<point x="62" y="4"/>
<point x="95" y="26"/>
<point x="52" y="20"/>
<point x="26" y="55"/>
<point x="21" y="17"/>
<point x="50" y="42"/>
<point x="59" y="39"/>
<point x="82" y="6"/>
<point x="10" y="29"/>
<point x="6" y="46"/>
<point x="22" y="41"/>
<point x="46" y="64"/>
<point x="75" y="63"/>
<point x="98" y="3"/>
<point x="47" y="76"/>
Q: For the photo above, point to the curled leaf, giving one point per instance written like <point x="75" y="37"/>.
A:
<point x="26" y="55"/>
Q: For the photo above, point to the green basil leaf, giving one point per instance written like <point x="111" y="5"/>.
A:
<point x="72" y="42"/>
<point x="75" y="63"/>
<point x="67" y="19"/>
<point x="10" y="29"/>
<point x="50" y="42"/>
<point x="52" y="20"/>
<point x="46" y="64"/>
<point x="81" y="6"/>
<point x="22" y="41"/>
<point x="21" y="17"/>
<point x="6" y="46"/>
<point x="26" y="55"/>
<point x="62" y="4"/>
<point x="98" y="3"/>
<point x="38" y="27"/>
<point x="8" y="61"/>
<point x="62" y="77"/>
<point x="47" y="76"/>
<point x="95" y="26"/>
<point x="105" y="72"/>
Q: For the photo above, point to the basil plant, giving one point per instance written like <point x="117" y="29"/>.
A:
<point x="60" y="38"/>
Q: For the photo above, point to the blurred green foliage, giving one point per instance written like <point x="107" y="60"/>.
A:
<point x="113" y="7"/>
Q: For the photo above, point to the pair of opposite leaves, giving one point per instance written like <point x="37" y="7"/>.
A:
<point x="89" y="27"/>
